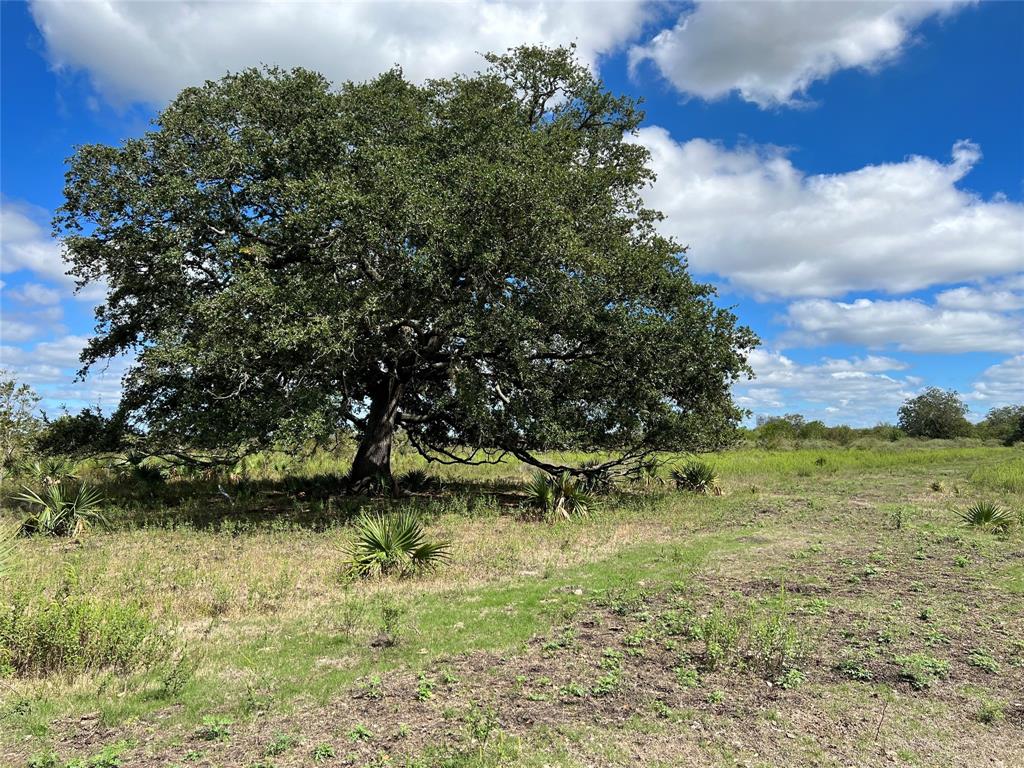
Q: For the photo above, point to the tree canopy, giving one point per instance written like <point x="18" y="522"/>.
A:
<point x="935" y="413"/>
<point x="469" y="260"/>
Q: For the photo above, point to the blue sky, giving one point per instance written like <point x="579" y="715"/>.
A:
<point x="850" y="174"/>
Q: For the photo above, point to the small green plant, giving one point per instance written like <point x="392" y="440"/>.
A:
<point x="360" y="732"/>
<point x="687" y="676"/>
<point x="280" y="744"/>
<point x="393" y="544"/>
<point x="215" y="728"/>
<point x="61" y="510"/>
<point x="991" y="712"/>
<point x="573" y="689"/>
<point x="921" y="670"/>
<point x="322" y="753"/>
<point x="937" y="486"/>
<point x="373" y="687"/>
<point x="987" y="515"/>
<point x="424" y="687"/>
<point x="108" y="757"/>
<point x="792" y="678"/>
<point x="983" y="659"/>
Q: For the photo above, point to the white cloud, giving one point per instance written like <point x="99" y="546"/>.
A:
<point x="16" y="330"/>
<point x="1000" y="384"/>
<point x="148" y="51"/>
<point x="857" y="391"/>
<point x="34" y="293"/>
<point x="25" y="244"/>
<point x="771" y="52"/>
<point x="991" y="299"/>
<point x="754" y="218"/>
<point x="49" y="367"/>
<point x="907" y="324"/>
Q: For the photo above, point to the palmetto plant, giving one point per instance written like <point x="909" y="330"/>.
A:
<point x="697" y="476"/>
<point x="50" y="470"/>
<point x="559" y="495"/>
<point x="61" y="509"/>
<point x="987" y="514"/>
<point x="418" y="481"/>
<point x="393" y="544"/>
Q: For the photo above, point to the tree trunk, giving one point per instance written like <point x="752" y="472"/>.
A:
<point x="371" y="468"/>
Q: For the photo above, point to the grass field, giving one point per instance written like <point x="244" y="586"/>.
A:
<point x="830" y="608"/>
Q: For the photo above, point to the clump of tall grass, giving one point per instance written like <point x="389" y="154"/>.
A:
<point x="559" y="496"/>
<point x="8" y="533"/>
<point x="988" y="515"/>
<point x="697" y="476"/>
<point x="393" y="543"/>
<point x="70" y="634"/>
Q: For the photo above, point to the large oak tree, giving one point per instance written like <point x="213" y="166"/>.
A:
<point x="469" y="260"/>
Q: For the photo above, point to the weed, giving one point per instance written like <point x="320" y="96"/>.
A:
<point x="215" y="728"/>
<point x="281" y="743"/>
<point x="984" y="660"/>
<point x="360" y="732"/>
<point x="322" y="753"/>
<point x="687" y="676"/>
<point x="921" y="670"/>
<point x="424" y="687"/>
<point x="991" y="712"/>
<point x="793" y="678"/>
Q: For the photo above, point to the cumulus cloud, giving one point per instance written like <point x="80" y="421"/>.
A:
<point x="771" y="52"/>
<point x="992" y="299"/>
<point x="754" y="218"/>
<point x="137" y="51"/>
<point x="907" y="324"/>
<point x="25" y="244"/>
<point x="1000" y="384"/>
<point x="858" y="391"/>
<point x="49" y="367"/>
<point x="34" y="293"/>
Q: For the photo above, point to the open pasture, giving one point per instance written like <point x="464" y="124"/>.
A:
<point x="830" y="607"/>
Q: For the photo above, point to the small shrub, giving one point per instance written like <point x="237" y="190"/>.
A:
<point x="393" y="544"/>
<point x="60" y="510"/>
<point x="559" y="496"/>
<point x="418" y="481"/>
<point x="73" y="634"/>
<point x="697" y="477"/>
<point x="987" y="515"/>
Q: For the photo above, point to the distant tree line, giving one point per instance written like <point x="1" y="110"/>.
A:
<point x="935" y="414"/>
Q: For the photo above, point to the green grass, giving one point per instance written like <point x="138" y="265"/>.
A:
<point x="261" y="618"/>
